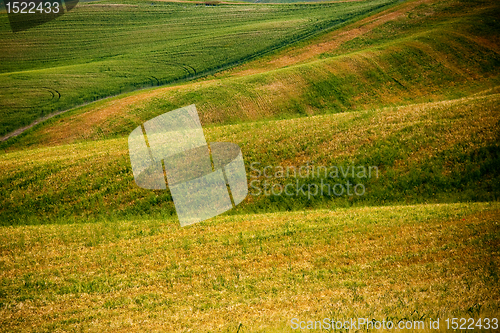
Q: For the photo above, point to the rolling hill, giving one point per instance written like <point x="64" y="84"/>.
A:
<point x="105" y="48"/>
<point x="400" y="102"/>
<point x="352" y="103"/>
<point x="412" y="53"/>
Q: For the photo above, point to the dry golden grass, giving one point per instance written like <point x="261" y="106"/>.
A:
<point x="260" y="271"/>
<point x="427" y="128"/>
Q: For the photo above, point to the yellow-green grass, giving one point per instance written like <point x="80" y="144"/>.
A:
<point x="428" y="52"/>
<point x="432" y="152"/>
<point x="255" y="271"/>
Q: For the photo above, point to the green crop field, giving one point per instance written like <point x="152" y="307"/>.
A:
<point x="106" y="48"/>
<point x="415" y="59"/>
<point x="380" y="118"/>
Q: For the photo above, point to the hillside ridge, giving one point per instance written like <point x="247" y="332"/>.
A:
<point x="415" y="53"/>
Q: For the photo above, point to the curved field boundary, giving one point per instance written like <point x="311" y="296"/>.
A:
<point x="330" y="42"/>
<point x="192" y="74"/>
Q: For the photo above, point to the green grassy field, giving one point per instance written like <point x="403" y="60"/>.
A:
<point x="411" y="93"/>
<point x="106" y="48"/>
<point x="428" y="52"/>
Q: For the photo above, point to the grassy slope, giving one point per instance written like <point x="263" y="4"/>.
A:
<point x="434" y="152"/>
<point x="254" y="272"/>
<point x="260" y="271"/>
<point x="102" y="49"/>
<point x="416" y="52"/>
